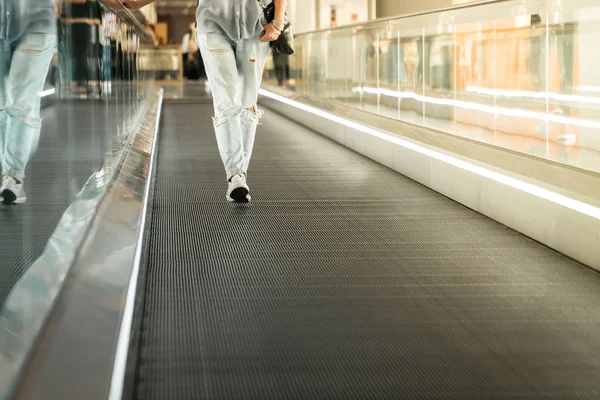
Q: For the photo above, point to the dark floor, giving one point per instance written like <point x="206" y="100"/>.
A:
<point x="72" y="146"/>
<point x="345" y="280"/>
<point x="190" y="89"/>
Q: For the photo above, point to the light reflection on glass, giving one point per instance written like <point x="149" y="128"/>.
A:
<point x="518" y="75"/>
<point x="91" y="103"/>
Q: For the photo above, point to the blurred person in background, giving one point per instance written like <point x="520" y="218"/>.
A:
<point x="27" y="41"/>
<point x="185" y="51"/>
<point x="233" y="38"/>
<point x="193" y="65"/>
<point x="282" y="68"/>
<point x="151" y="30"/>
<point x="81" y="21"/>
<point x="395" y="62"/>
<point x="536" y="62"/>
<point x="194" y="58"/>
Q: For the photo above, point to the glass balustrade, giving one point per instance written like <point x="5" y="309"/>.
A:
<point x="520" y="75"/>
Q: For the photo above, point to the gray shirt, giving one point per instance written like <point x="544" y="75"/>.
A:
<point x="236" y="19"/>
<point x="19" y="16"/>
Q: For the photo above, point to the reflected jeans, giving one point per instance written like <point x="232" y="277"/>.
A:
<point x="24" y="65"/>
<point x="564" y="45"/>
<point x="395" y="63"/>
<point x="536" y="63"/>
<point x="234" y="69"/>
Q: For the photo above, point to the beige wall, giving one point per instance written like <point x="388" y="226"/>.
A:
<point x="391" y="8"/>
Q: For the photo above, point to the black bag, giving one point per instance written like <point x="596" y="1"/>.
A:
<point x="285" y="43"/>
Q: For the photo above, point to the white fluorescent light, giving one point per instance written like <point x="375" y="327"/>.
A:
<point x="573" y="98"/>
<point x="584" y="88"/>
<point x="509" y="112"/>
<point x="529" y="188"/>
<point x="47" y="92"/>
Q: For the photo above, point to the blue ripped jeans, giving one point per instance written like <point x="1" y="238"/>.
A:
<point x="234" y="69"/>
<point x="24" y="66"/>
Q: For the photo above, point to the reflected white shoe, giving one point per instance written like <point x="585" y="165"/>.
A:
<point x="11" y="191"/>
<point x="238" y="190"/>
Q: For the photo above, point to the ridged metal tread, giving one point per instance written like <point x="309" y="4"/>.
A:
<point x="345" y="280"/>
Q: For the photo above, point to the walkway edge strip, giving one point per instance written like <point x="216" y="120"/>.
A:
<point x="122" y="351"/>
<point x="526" y="187"/>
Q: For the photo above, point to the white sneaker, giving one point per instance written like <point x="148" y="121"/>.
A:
<point x="11" y="191"/>
<point x="238" y="190"/>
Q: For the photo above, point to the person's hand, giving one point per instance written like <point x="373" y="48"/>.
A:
<point x="112" y="4"/>
<point x="271" y="34"/>
<point x="135" y="4"/>
<point x="130" y="4"/>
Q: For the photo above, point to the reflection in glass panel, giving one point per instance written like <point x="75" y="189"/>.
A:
<point x="297" y="66"/>
<point x="474" y="64"/>
<point x="339" y="68"/>
<point x="524" y="39"/>
<point x="317" y="68"/>
<point x="579" y="38"/>
<point x="368" y="55"/>
<point x="519" y="75"/>
<point x="437" y="73"/>
<point x="390" y="71"/>
<point x="80" y="47"/>
<point x="90" y="103"/>
<point x="569" y="140"/>
<point x="95" y="53"/>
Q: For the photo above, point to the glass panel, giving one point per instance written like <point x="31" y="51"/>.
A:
<point x="367" y="51"/>
<point x="574" y="101"/>
<point x="438" y="74"/>
<point x="339" y="68"/>
<point x="410" y="88"/>
<point x="391" y="70"/>
<point x="516" y="74"/>
<point x="299" y="65"/>
<point x="88" y="100"/>
<point x="317" y="66"/>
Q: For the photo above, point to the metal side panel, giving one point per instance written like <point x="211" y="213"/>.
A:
<point x="84" y="327"/>
<point x="345" y="280"/>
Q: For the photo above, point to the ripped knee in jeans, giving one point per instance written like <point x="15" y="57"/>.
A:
<point x="32" y="121"/>
<point x="220" y="120"/>
<point x="253" y="114"/>
<point x="218" y="51"/>
<point x="30" y="51"/>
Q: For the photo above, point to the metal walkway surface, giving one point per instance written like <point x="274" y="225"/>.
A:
<point x="345" y="280"/>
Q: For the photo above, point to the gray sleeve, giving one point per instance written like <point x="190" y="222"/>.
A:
<point x="262" y="18"/>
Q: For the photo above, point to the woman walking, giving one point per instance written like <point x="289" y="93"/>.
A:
<point x="233" y="37"/>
